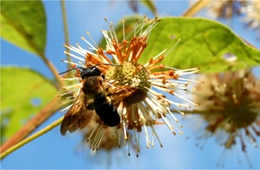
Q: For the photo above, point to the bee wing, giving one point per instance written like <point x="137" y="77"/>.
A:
<point x="78" y="115"/>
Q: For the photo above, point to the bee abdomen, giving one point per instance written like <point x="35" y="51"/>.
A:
<point x="106" y="111"/>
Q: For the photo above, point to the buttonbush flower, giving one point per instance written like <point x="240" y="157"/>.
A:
<point x="110" y="140"/>
<point x="223" y="8"/>
<point x="136" y="90"/>
<point x="252" y="12"/>
<point x="230" y="106"/>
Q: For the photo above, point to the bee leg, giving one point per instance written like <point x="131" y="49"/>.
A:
<point x="91" y="106"/>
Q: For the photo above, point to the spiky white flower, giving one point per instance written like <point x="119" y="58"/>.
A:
<point x="229" y="105"/>
<point x="136" y="90"/>
<point x="252" y="12"/>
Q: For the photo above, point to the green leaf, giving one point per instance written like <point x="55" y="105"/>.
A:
<point x="204" y="43"/>
<point x="23" y="23"/>
<point x="150" y="5"/>
<point x="23" y="93"/>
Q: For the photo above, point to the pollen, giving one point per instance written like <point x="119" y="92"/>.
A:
<point x="129" y="74"/>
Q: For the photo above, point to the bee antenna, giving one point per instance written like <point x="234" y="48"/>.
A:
<point x="71" y="70"/>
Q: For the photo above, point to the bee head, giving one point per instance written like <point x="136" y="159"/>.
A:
<point x="92" y="71"/>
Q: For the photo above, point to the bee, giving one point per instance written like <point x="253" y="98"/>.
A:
<point x="92" y="98"/>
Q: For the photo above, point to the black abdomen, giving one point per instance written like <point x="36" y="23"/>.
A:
<point x="106" y="111"/>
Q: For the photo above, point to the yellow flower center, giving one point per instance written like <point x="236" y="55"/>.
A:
<point x="129" y="74"/>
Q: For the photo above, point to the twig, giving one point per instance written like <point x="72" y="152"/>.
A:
<point x="29" y="139"/>
<point x="196" y="7"/>
<point x="65" y="27"/>
<point x="54" y="71"/>
<point x="32" y="124"/>
<point x="197" y="112"/>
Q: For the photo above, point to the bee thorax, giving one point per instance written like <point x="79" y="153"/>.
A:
<point x="92" y="86"/>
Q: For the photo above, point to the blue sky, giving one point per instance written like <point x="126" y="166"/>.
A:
<point x="53" y="151"/>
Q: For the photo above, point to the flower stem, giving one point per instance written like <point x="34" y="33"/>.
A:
<point x="29" y="139"/>
<point x="32" y="124"/>
<point x="65" y="27"/>
<point x="195" y="8"/>
<point x="196" y="112"/>
<point x="54" y="72"/>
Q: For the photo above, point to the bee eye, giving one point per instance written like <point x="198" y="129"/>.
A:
<point x="95" y="70"/>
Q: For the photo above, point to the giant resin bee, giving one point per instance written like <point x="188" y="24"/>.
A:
<point x="92" y="98"/>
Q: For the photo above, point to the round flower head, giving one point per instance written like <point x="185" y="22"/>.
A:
<point x="230" y="106"/>
<point x="224" y="8"/>
<point x="110" y="140"/>
<point x="135" y="90"/>
<point x="252" y="12"/>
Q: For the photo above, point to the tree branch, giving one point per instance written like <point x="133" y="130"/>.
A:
<point x="195" y="8"/>
<point x="66" y="31"/>
<point x="54" y="72"/>
<point x="29" y="139"/>
<point x="32" y="124"/>
<point x="197" y="112"/>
